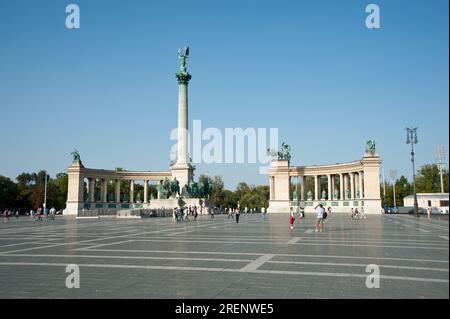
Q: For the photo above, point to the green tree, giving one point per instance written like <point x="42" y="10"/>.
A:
<point x="428" y="179"/>
<point x="8" y="193"/>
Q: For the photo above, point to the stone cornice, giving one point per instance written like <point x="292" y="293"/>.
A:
<point x="120" y="175"/>
<point x="333" y="169"/>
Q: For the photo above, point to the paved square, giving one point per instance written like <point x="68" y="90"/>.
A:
<point x="217" y="258"/>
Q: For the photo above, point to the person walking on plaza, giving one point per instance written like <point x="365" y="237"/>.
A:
<point x="302" y="213"/>
<point x="5" y="216"/>
<point x="357" y="216"/>
<point x="238" y="214"/>
<point x="174" y="215"/>
<point x="352" y="214"/>
<point x="39" y="214"/>
<point x="195" y="213"/>
<point x="329" y="211"/>
<point x="291" y="218"/>
<point x="320" y="211"/>
<point x="362" y="213"/>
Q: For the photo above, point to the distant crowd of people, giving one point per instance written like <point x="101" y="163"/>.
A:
<point x="38" y="214"/>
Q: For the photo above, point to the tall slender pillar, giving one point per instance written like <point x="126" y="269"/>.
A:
<point x="104" y="190"/>
<point x="345" y="186"/>
<point x="117" y="190"/>
<point x="92" y="190"/>
<point x="159" y="189"/>
<point x="131" y="191"/>
<point x="329" y="186"/>
<point x="352" y="185"/>
<point x="341" y="186"/>
<point x="316" y="188"/>
<point x="303" y="191"/>
<point x="145" y="192"/>
<point x="182" y="170"/>
<point x="361" y="190"/>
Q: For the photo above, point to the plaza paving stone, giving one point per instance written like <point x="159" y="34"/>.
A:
<point x="217" y="258"/>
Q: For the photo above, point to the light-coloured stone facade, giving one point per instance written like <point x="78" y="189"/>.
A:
<point x="79" y="176"/>
<point x="359" y="185"/>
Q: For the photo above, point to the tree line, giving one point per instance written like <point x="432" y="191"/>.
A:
<point x="27" y="191"/>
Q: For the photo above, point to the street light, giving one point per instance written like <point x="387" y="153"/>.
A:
<point x="384" y="186"/>
<point x="45" y="194"/>
<point x="411" y="138"/>
<point x="393" y="174"/>
<point x="440" y="161"/>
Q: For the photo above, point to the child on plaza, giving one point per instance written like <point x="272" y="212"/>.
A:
<point x="291" y="218"/>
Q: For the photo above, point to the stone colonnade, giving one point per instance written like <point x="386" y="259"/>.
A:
<point x="99" y="197"/>
<point x="340" y="186"/>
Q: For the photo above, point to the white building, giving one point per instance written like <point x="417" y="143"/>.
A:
<point x="425" y="200"/>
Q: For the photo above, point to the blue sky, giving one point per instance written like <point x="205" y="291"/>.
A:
<point x="310" y="68"/>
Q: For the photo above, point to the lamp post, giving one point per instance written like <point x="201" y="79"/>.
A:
<point x="440" y="161"/>
<point x="411" y="138"/>
<point x="393" y="174"/>
<point x="384" y="188"/>
<point x="45" y="194"/>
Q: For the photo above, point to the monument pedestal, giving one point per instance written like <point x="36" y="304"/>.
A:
<point x="280" y="184"/>
<point x="184" y="173"/>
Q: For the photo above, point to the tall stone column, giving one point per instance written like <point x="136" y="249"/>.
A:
<point x="303" y="191"/>
<point x="131" y="191"/>
<point x="159" y="189"/>
<point x="329" y="187"/>
<point x="104" y="190"/>
<point x="145" y="192"/>
<point x="117" y="191"/>
<point x="341" y="186"/>
<point x="352" y="185"/>
<point x="361" y="190"/>
<point x="316" y="188"/>
<point x="182" y="170"/>
<point x="91" y="190"/>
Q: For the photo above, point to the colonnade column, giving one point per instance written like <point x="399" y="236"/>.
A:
<point x="117" y="191"/>
<point x="316" y="187"/>
<point x="303" y="192"/>
<point x="91" y="190"/>
<point x="104" y="198"/>
<point x="159" y="189"/>
<point x="145" y="192"/>
<point x="361" y="191"/>
<point x="329" y="187"/>
<point x="352" y="185"/>
<point x="341" y="186"/>
<point x="131" y="191"/>
<point x="345" y="186"/>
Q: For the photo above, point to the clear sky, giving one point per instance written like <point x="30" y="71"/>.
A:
<point x="310" y="68"/>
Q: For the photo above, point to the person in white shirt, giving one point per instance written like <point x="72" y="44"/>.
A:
<point x="319" y="211"/>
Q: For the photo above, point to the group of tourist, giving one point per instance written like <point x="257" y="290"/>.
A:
<point x="181" y="214"/>
<point x="357" y="214"/>
<point x="233" y="212"/>
<point x="7" y="214"/>
<point x="321" y="214"/>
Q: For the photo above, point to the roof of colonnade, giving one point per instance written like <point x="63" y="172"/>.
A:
<point x="124" y="175"/>
<point x="333" y="169"/>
